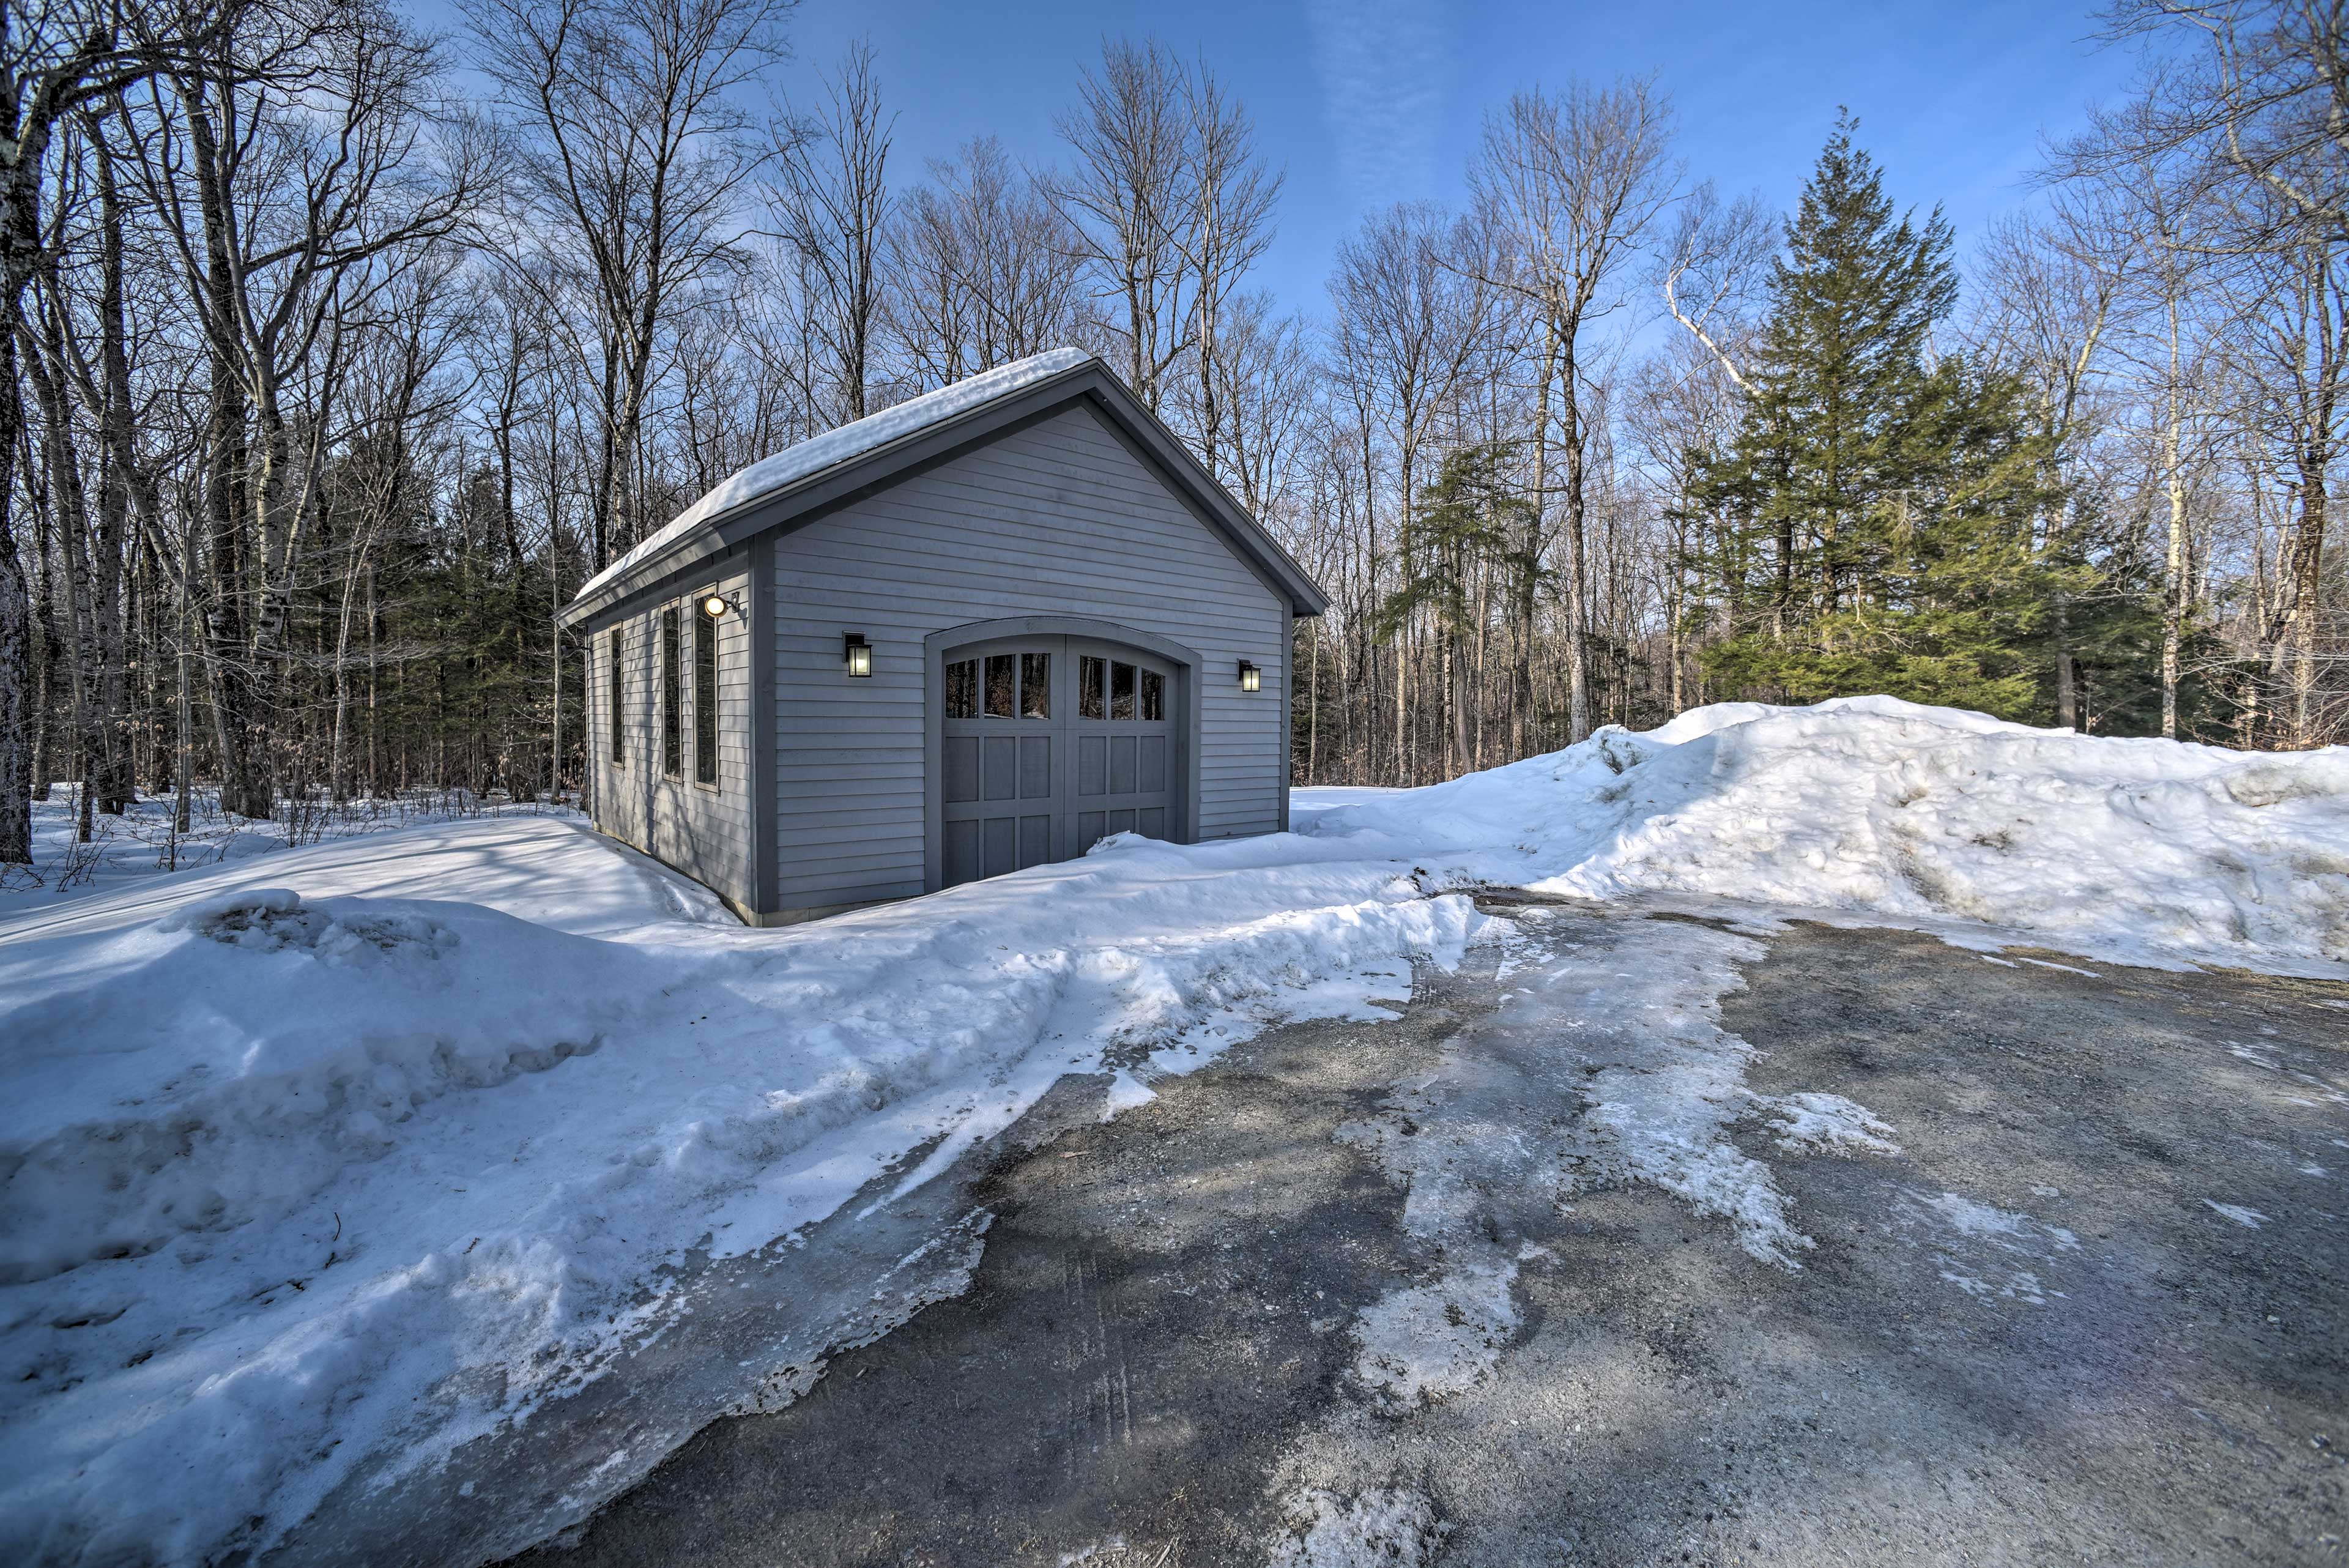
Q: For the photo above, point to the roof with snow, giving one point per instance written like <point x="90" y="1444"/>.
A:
<point x="843" y="465"/>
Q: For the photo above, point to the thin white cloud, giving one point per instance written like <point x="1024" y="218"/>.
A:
<point x="1384" y="69"/>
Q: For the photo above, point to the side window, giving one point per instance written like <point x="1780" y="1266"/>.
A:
<point x="1154" y="695"/>
<point x="672" y="693"/>
<point x="705" y="700"/>
<point x="1121" y="690"/>
<point x="962" y="688"/>
<point x="618" y="701"/>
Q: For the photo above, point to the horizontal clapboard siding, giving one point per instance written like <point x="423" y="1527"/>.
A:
<point x="704" y="832"/>
<point x="1058" y="518"/>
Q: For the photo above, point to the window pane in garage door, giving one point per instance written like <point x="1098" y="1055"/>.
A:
<point x="1035" y="685"/>
<point x="1092" y="703"/>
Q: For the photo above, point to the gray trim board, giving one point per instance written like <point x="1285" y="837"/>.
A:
<point x="1287" y="709"/>
<point x="760" y="613"/>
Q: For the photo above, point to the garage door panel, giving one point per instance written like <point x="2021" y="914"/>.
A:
<point x="961" y="758"/>
<point x="999" y="845"/>
<point x="1035" y="767"/>
<point x="1000" y="760"/>
<point x="1089" y="830"/>
<point x="1093" y="764"/>
<point x="1152" y="764"/>
<point x="1121" y="763"/>
<point x="1151" y="821"/>
<point x="1035" y="841"/>
<point x="961" y="852"/>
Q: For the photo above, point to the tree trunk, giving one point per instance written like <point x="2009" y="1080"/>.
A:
<point x="1578" y="666"/>
<point x="2173" y="608"/>
<point x="2307" y="564"/>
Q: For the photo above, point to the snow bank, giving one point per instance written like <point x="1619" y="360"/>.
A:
<point x="837" y="446"/>
<point x="297" y="1173"/>
<point x="367" y="1149"/>
<point x="2127" y="847"/>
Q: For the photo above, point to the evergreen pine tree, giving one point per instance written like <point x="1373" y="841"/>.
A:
<point x="1888" y="504"/>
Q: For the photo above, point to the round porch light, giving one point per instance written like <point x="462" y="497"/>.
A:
<point x="1251" y="678"/>
<point x="715" y="606"/>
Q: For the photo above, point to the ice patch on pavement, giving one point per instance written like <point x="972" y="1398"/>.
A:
<point x="1983" y="1221"/>
<point x="1663" y="1082"/>
<point x="1828" y="1123"/>
<point x="2021" y="1286"/>
<point x="1620" y="1020"/>
<point x="1125" y="1091"/>
<point x="1989" y="1239"/>
<point x="1424" y="1342"/>
<point x="1386" y="1527"/>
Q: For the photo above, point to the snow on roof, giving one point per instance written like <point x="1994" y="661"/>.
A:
<point x="837" y="446"/>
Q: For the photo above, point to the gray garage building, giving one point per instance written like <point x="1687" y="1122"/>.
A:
<point x="975" y="632"/>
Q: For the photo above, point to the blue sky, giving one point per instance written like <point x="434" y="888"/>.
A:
<point x="1380" y="100"/>
<point x="1371" y="102"/>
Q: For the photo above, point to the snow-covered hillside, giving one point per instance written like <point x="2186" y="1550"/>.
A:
<point x="371" y="1146"/>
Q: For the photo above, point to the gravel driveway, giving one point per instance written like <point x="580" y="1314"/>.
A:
<point x="1897" y="1252"/>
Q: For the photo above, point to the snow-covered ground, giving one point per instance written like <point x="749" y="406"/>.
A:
<point x="379" y="1144"/>
<point x="365" y="1148"/>
<point x="1310" y="805"/>
<point x="132" y="850"/>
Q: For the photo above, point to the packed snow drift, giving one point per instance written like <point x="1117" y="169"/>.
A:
<point x="2143" y="849"/>
<point x="365" y="1149"/>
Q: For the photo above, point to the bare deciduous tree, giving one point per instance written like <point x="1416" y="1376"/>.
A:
<point x="1575" y="179"/>
<point x="634" y="154"/>
<point x="831" y="199"/>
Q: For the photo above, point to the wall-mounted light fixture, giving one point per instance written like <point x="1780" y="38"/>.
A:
<point x="1251" y="678"/>
<point x="858" y="652"/>
<point x="716" y="607"/>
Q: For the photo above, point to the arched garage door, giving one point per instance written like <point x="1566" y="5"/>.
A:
<point x="1051" y="744"/>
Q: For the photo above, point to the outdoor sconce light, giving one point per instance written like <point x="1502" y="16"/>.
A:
<point x="1251" y="678"/>
<point x="859" y="654"/>
<point x="716" y="608"/>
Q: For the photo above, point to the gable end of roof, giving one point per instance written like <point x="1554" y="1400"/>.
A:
<point x="707" y="531"/>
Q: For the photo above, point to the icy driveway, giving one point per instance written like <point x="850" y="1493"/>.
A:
<point x="1426" y="1291"/>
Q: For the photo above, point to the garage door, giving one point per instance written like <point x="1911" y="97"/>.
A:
<point x="1050" y="744"/>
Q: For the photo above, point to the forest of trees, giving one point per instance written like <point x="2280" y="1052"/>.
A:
<point x="338" y="355"/>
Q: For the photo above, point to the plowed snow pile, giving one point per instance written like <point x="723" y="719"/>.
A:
<point x="357" y="1151"/>
<point x="2124" y="848"/>
<point x="298" y="1174"/>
